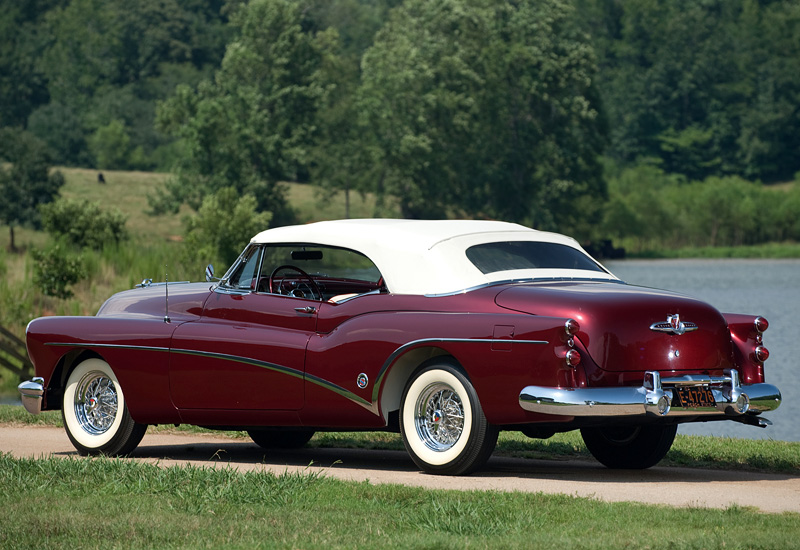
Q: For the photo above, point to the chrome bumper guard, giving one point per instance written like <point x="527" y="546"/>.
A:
<point x="32" y="392"/>
<point x="655" y="397"/>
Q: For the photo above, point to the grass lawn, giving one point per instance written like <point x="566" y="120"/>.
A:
<point x="108" y="503"/>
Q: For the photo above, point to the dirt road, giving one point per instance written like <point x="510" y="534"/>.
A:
<point x="660" y="485"/>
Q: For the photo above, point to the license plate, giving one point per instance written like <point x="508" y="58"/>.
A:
<point x="693" y="397"/>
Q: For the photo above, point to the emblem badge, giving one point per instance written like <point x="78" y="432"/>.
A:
<point x="674" y="325"/>
<point x="362" y="380"/>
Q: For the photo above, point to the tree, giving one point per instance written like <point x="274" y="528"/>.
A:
<point x="103" y="61"/>
<point x="23" y="87"/>
<point x="222" y="226"/>
<point x="252" y="126"/>
<point x="487" y="109"/>
<point x="708" y="88"/>
<point x="26" y="182"/>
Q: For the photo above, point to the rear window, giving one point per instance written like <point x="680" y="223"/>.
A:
<point x="504" y="256"/>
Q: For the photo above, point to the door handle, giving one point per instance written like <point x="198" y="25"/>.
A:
<point x="307" y="309"/>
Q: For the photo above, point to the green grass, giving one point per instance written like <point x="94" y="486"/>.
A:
<point x="687" y="451"/>
<point x="107" y="503"/>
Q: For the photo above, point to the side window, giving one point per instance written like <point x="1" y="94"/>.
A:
<point x="245" y="275"/>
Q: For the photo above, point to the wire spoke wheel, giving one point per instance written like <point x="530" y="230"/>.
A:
<point x="95" y="413"/>
<point x="442" y="423"/>
<point x="440" y="417"/>
<point x="96" y="404"/>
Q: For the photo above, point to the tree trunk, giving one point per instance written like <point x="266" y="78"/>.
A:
<point x="12" y="246"/>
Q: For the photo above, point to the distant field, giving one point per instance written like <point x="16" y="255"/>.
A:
<point x="128" y="191"/>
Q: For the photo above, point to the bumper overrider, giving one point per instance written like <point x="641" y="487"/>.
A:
<point x="659" y="397"/>
<point x="32" y="392"/>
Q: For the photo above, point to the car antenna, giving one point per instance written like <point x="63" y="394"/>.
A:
<point x="166" y="295"/>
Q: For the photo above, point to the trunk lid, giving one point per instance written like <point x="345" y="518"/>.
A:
<point x="616" y="319"/>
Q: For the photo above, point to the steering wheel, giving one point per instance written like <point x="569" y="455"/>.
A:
<point x="312" y="284"/>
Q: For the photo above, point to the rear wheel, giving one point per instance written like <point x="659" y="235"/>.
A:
<point x="442" y="422"/>
<point x="629" y="447"/>
<point x="95" y="414"/>
<point x="280" y="439"/>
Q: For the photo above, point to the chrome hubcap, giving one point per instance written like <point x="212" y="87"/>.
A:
<point x="439" y="417"/>
<point x="96" y="403"/>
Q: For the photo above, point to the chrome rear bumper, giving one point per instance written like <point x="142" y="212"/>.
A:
<point x="655" y="397"/>
<point x="31" y="392"/>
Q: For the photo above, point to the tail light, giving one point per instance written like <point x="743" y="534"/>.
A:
<point x="572" y="327"/>
<point x="761" y="353"/>
<point x="573" y="358"/>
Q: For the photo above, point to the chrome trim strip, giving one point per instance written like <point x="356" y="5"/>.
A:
<point x="399" y="351"/>
<point x="282" y="370"/>
<point x="116" y="346"/>
<point x="642" y="401"/>
<point x="240" y="359"/>
<point x="526" y="280"/>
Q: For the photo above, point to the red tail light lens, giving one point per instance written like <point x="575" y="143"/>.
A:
<point x="761" y="353"/>
<point x="761" y="324"/>
<point x="572" y="327"/>
<point x="573" y="358"/>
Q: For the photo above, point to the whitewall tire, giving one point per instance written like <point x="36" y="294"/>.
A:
<point x="95" y="413"/>
<point x="442" y="422"/>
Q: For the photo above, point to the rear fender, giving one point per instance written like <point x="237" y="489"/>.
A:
<point x="745" y="338"/>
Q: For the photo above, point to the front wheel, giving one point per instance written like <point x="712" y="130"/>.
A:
<point x="95" y="414"/>
<point x="442" y="422"/>
<point x="629" y="447"/>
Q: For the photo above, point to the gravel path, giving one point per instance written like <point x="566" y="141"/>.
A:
<point x="686" y="487"/>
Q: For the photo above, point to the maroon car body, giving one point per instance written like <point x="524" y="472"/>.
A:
<point x="446" y="331"/>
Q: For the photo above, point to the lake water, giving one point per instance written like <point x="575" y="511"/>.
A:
<point x="770" y="288"/>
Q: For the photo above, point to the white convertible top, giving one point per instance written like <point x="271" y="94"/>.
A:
<point x="426" y="256"/>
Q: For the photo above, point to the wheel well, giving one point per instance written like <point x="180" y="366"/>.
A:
<point x="402" y="370"/>
<point x="71" y="359"/>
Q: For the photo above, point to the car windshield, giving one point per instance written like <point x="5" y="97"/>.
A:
<point x="321" y="261"/>
<point x="509" y="255"/>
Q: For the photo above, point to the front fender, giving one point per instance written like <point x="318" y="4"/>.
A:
<point x="136" y="349"/>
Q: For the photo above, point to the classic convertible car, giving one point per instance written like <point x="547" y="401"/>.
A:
<point x="446" y="331"/>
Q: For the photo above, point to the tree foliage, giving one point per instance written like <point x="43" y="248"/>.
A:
<point x="100" y="62"/>
<point x="252" y="125"/>
<point x="55" y="269"/>
<point x="651" y="209"/>
<point x="485" y="108"/>
<point x="222" y="226"/>
<point x="26" y="181"/>
<point x="708" y="88"/>
<point x="476" y="108"/>
<point x="83" y="224"/>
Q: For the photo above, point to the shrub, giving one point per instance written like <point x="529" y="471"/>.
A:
<point x="223" y="226"/>
<point x="55" y="268"/>
<point x="84" y="223"/>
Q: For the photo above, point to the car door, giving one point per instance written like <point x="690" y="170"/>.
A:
<point x="247" y="350"/>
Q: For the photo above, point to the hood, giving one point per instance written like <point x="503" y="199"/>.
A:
<point x="185" y="302"/>
<point x="615" y="324"/>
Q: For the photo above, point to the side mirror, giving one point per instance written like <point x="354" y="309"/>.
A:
<point x="210" y="274"/>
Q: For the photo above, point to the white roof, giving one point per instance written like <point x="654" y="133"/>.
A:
<point x="426" y="256"/>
